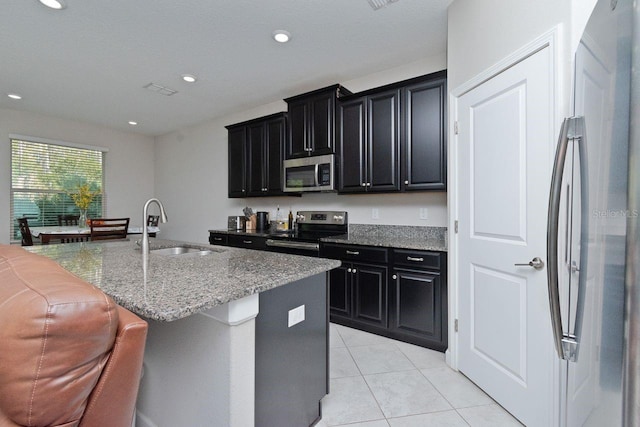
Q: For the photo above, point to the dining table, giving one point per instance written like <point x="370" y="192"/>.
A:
<point x="48" y="233"/>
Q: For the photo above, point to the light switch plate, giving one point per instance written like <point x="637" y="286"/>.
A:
<point x="424" y="213"/>
<point x="296" y="315"/>
<point x="375" y="213"/>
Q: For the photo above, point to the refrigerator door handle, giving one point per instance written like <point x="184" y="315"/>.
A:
<point x="566" y="345"/>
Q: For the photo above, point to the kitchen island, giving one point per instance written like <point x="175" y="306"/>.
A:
<point x="233" y="333"/>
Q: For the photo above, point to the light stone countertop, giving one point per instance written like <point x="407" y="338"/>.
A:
<point x="394" y="236"/>
<point x="182" y="285"/>
<point x="388" y="236"/>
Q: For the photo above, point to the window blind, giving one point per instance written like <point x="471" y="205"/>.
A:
<point x="43" y="175"/>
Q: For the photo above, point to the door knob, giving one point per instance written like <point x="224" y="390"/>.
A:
<point x="536" y="263"/>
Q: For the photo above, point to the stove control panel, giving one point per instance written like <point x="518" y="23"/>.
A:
<point x="322" y="217"/>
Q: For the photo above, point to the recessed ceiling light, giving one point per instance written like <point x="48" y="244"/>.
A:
<point x="132" y="123"/>
<point x="189" y="78"/>
<point x="54" y="4"/>
<point x="281" y="36"/>
<point x="14" y="96"/>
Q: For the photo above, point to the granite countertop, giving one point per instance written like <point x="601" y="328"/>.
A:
<point x="394" y="236"/>
<point x="173" y="287"/>
<point x="390" y="236"/>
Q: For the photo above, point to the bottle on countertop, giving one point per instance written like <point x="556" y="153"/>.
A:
<point x="290" y="219"/>
<point x="281" y="224"/>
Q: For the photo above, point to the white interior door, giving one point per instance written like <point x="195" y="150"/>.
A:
<point x="504" y="142"/>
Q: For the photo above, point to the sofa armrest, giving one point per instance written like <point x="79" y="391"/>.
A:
<point x="112" y="402"/>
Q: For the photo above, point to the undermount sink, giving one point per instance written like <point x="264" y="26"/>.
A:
<point x="180" y="250"/>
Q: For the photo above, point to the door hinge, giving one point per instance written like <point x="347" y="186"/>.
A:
<point x="455" y="325"/>
<point x="455" y="226"/>
<point x="455" y="127"/>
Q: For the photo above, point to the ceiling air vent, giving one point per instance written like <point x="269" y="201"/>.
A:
<point x="162" y="90"/>
<point x="377" y="4"/>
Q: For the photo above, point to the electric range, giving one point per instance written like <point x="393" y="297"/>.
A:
<point x="310" y="227"/>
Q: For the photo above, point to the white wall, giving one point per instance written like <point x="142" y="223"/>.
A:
<point x="483" y="32"/>
<point x="129" y="165"/>
<point x="191" y="175"/>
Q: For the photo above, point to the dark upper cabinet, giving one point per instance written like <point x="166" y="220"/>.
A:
<point x="424" y="135"/>
<point x="312" y="122"/>
<point x="237" y="163"/>
<point x="393" y="138"/>
<point x="256" y="152"/>
<point x="352" y="167"/>
<point x="369" y="143"/>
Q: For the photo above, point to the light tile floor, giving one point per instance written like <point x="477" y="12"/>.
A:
<point x="379" y="382"/>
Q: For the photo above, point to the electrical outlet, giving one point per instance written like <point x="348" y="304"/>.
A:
<point x="375" y="214"/>
<point x="424" y="213"/>
<point x="296" y="315"/>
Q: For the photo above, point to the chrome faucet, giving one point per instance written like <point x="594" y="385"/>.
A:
<point x="145" y="231"/>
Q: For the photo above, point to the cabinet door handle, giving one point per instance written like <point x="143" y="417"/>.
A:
<point x="364" y="184"/>
<point x="218" y="239"/>
<point x="248" y="242"/>
<point x="348" y="270"/>
<point x="410" y="258"/>
<point x="394" y="277"/>
<point x="406" y="182"/>
<point x="354" y="271"/>
<point x="353" y="252"/>
<point x="368" y="184"/>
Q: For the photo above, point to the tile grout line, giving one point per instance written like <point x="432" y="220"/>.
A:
<point x="363" y="378"/>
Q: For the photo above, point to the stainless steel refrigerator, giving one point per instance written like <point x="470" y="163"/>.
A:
<point x="592" y="236"/>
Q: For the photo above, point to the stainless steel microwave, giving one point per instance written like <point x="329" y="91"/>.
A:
<point x="309" y="174"/>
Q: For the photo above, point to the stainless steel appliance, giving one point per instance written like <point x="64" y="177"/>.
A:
<point x="593" y="236"/>
<point x="309" y="174"/>
<point x="237" y="222"/>
<point x="311" y="226"/>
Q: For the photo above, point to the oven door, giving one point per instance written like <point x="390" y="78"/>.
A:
<point x="293" y="247"/>
<point x="309" y="174"/>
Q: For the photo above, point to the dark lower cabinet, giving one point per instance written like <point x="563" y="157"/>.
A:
<point x="370" y="294"/>
<point x="417" y="307"/>
<point x="398" y="293"/>
<point x="340" y="291"/>
<point x="218" y="238"/>
<point x="359" y="292"/>
<point x="245" y="241"/>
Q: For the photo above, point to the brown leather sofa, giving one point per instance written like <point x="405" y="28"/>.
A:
<point x="69" y="356"/>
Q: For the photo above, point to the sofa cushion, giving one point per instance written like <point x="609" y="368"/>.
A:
<point x="56" y="336"/>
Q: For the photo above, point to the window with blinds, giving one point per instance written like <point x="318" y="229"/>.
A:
<point x="43" y="177"/>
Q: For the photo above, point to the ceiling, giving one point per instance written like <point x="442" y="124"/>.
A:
<point x="90" y="61"/>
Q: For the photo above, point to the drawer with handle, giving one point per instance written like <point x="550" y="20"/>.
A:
<point x="417" y="259"/>
<point x="247" y="241"/>
<point x="354" y="253"/>
<point x="218" y="239"/>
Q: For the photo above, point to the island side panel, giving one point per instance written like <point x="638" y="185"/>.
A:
<point x="291" y="361"/>
<point x="198" y="371"/>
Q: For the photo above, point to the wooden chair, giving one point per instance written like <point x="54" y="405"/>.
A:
<point x="153" y="221"/>
<point x="27" y="240"/>
<point x="109" y="228"/>
<point x="68" y="220"/>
